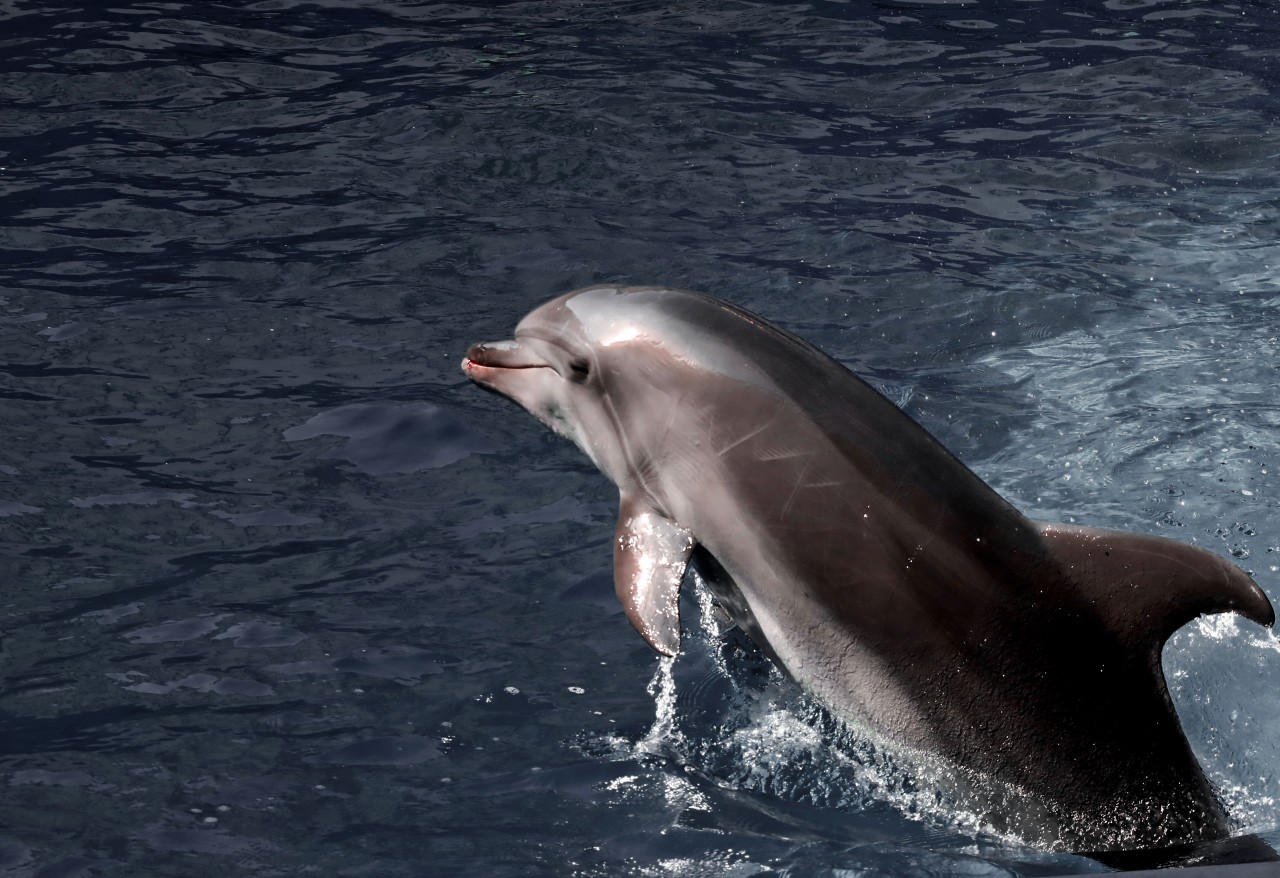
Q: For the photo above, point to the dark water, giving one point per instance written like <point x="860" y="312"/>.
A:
<point x="284" y="594"/>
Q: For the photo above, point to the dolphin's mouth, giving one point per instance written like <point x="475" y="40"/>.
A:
<point x="506" y="354"/>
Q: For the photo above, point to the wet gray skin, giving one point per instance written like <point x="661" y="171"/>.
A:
<point x="885" y="577"/>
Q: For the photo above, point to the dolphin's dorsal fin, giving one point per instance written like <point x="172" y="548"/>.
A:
<point x="650" y="553"/>
<point x="1146" y="587"/>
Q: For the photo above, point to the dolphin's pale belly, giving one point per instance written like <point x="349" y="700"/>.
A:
<point x="822" y="655"/>
<point x="775" y="598"/>
<point x="857" y="685"/>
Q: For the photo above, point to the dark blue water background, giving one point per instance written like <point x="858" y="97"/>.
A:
<point x="283" y="594"/>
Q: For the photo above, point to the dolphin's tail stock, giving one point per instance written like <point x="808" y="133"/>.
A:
<point x="1140" y="589"/>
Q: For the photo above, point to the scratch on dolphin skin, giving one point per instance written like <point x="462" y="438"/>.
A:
<point x="748" y="436"/>
<point x="799" y="482"/>
<point x="788" y="454"/>
<point x="674" y="412"/>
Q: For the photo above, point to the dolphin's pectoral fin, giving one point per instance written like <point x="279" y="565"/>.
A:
<point x="1145" y="587"/>
<point x="650" y="553"/>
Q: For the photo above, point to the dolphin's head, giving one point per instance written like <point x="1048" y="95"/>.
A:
<point x="553" y="367"/>
<point x="611" y="367"/>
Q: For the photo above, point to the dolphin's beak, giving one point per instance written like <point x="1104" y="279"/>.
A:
<point x="484" y="358"/>
<point x="517" y="371"/>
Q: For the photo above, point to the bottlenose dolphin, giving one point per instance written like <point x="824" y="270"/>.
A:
<point x="892" y="583"/>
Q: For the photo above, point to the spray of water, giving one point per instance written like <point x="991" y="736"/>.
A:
<point x="724" y="713"/>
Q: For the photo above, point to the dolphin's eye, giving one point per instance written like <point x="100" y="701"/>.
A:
<point x="579" y="370"/>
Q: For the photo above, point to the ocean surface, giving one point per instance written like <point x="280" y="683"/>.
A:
<point x="284" y="594"/>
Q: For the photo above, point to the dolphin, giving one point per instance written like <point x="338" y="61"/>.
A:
<point x="896" y="587"/>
